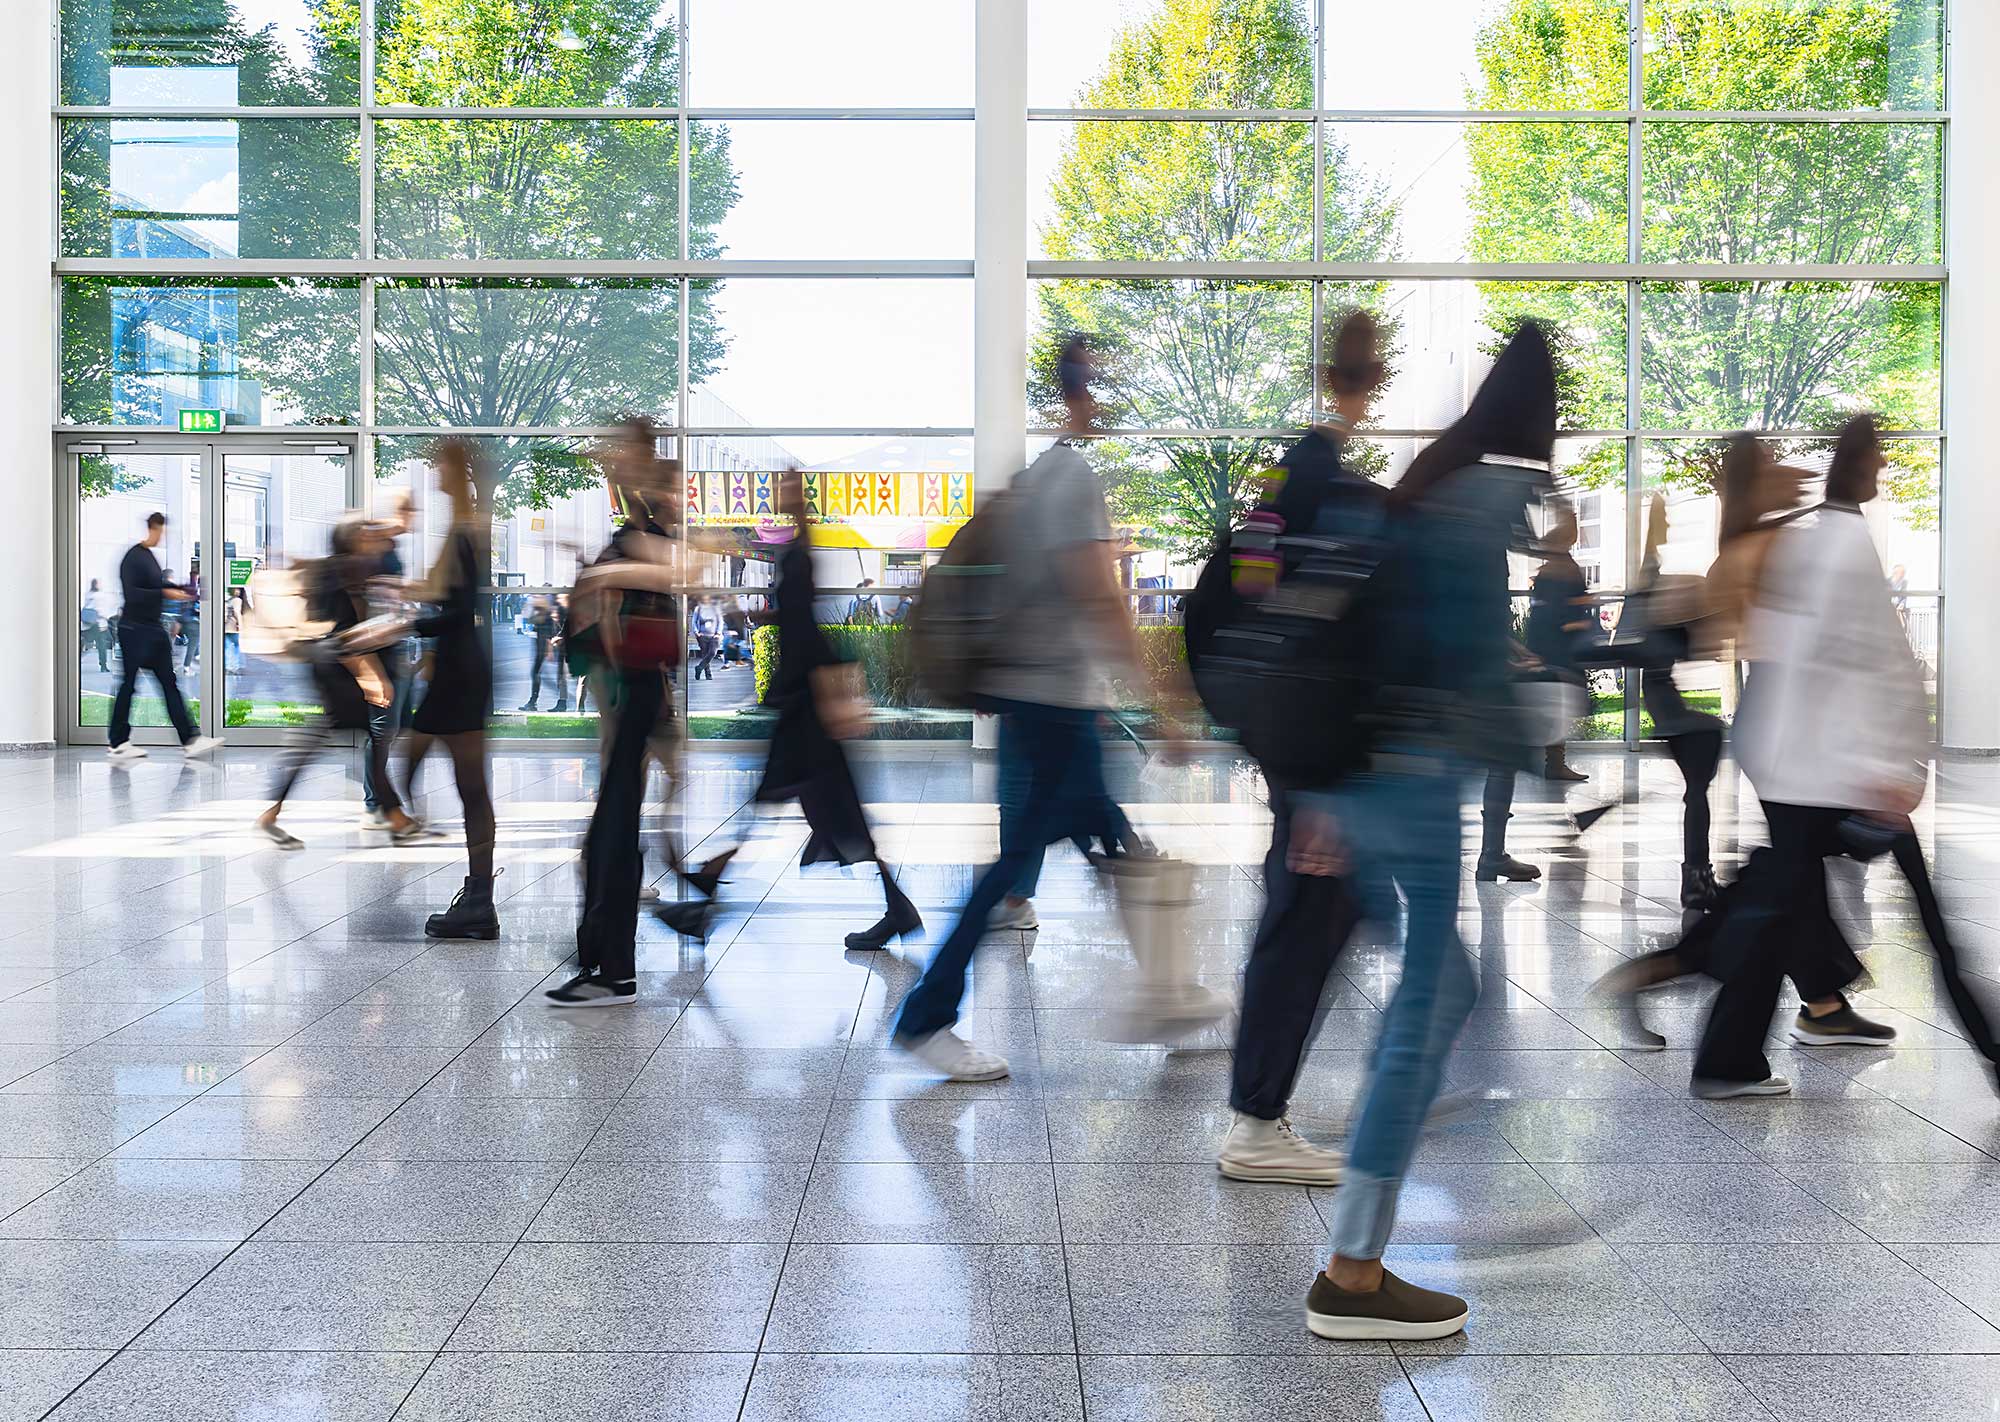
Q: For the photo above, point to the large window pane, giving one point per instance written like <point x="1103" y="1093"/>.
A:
<point x="504" y="54"/>
<point x="116" y="493"/>
<point x="1788" y="355"/>
<point x="554" y="189"/>
<point x="1166" y="191"/>
<point x="1477" y="54"/>
<point x="278" y="509"/>
<point x="1170" y="54"/>
<point x="219" y="53"/>
<point x="1794" y="54"/>
<point x="1442" y="336"/>
<point x="879" y="353"/>
<point x="1797" y="192"/>
<point x="1487" y="192"/>
<point x="210" y="188"/>
<point x="1179" y="354"/>
<point x="507" y="353"/>
<point x="275" y="352"/>
<point x="781" y="188"/>
<point x="811" y="54"/>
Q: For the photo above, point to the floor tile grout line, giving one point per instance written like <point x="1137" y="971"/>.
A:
<point x="1062" y="1253"/>
<point x="208" y="1273"/>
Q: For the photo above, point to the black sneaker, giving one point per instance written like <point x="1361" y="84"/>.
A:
<point x="593" y="990"/>
<point x="1397" y="1310"/>
<point x="1841" y="1027"/>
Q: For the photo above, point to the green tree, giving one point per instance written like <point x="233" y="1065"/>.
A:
<point x="1204" y="354"/>
<point x="1791" y="355"/>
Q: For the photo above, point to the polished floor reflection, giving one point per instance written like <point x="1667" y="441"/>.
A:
<point x="265" y="1152"/>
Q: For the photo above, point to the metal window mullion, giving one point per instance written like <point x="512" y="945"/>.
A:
<point x="1635" y="206"/>
<point x="1318" y="315"/>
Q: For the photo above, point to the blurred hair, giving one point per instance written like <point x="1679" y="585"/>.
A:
<point x="1847" y="480"/>
<point x="1354" y="355"/>
<point x="156" y="520"/>
<point x="1742" y="464"/>
<point x="1513" y="413"/>
<point x="640" y="429"/>
<point x="1073" y="366"/>
<point x="348" y="531"/>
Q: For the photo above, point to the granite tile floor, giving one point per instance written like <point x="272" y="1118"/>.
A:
<point x="267" y="1152"/>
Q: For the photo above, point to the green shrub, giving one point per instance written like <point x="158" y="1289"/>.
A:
<point x="883" y="652"/>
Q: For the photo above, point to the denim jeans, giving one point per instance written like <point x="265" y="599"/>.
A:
<point x="1052" y="754"/>
<point x="383" y="724"/>
<point x="1402" y="827"/>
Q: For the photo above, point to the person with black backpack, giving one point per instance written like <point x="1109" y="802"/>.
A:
<point x="1042" y="667"/>
<point x="1312" y="503"/>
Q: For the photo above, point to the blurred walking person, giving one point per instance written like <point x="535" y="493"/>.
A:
<point x="543" y="625"/>
<point x="1834" y="736"/>
<point x="385" y="723"/>
<point x="1312" y="501"/>
<point x="1049" y="688"/>
<point x="458" y="698"/>
<point x="707" y="623"/>
<point x="144" y="645"/>
<point x="349" y="679"/>
<point x="1444" y="699"/>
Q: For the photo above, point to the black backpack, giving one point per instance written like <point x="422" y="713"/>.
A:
<point x="957" y="625"/>
<point x="1291" y="672"/>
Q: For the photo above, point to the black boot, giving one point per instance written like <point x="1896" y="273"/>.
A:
<point x="1504" y="866"/>
<point x="471" y="914"/>
<point x="1556" y="766"/>
<point x="899" y="918"/>
<point x="1698" y="888"/>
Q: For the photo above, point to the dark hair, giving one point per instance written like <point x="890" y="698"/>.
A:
<point x="1741" y="462"/>
<point x="1512" y="413"/>
<point x="1846" y="481"/>
<point x="1353" y="358"/>
<point x="156" y="520"/>
<point x="640" y="429"/>
<point x="1073" y="364"/>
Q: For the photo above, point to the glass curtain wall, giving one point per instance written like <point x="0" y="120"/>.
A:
<point x="753" y="222"/>
<point x="1729" y="210"/>
<point x="521" y="223"/>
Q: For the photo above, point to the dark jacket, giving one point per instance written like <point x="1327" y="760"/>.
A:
<point x="142" y="583"/>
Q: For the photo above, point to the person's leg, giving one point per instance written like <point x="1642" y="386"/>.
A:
<point x="1049" y="740"/>
<point x="416" y="745"/>
<point x="1409" y="824"/>
<point x="536" y="658"/>
<point x="613" y="863"/>
<point x="161" y="665"/>
<point x="1696" y="754"/>
<point x="130" y="655"/>
<point x="468" y="768"/>
<point x="302" y="746"/>
<point x="1972" y="1015"/>
<point x="377" y="794"/>
<point x="1496" y="808"/>
<point x="1014" y="778"/>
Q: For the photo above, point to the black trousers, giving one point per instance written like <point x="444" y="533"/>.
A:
<point x="1697" y="753"/>
<point x="613" y="858"/>
<point x="1307" y="922"/>
<point x="541" y="654"/>
<point x="146" y="647"/>
<point x="1779" y="922"/>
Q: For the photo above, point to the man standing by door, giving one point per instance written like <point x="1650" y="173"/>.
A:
<point x="143" y="645"/>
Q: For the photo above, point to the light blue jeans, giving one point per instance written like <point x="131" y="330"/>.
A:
<point x="1402" y="830"/>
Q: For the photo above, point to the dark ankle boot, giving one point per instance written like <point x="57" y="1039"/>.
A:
<point x="901" y="919"/>
<point x="471" y="914"/>
<point x="1556" y="766"/>
<point x="1504" y="866"/>
<point x="1698" y="888"/>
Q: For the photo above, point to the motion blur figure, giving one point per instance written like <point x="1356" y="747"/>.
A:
<point x="1833" y="734"/>
<point x="351" y="684"/>
<point x="1307" y="918"/>
<point x="1445" y="705"/>
<point x="143" y="645"/>
<point x="458" y="697"/>
<point x="385" y="723"/>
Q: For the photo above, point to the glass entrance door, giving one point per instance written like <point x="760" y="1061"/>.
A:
<point x="233" y="507"/>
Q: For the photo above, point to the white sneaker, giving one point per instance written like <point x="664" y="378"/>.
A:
<point x="1272" y="1151"/>
<point x="374" y="819"/>
<point x="125" y="754"/>
<point x="1008" y="914"/>
<point x="956" y="1059"/>
<point x="279" y="836"/>
<point x="202" y="747"/>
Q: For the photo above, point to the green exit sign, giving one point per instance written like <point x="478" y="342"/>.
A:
<point x="201" y="422"/>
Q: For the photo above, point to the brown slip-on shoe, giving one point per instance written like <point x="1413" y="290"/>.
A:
<point x="1397" y="1310"/>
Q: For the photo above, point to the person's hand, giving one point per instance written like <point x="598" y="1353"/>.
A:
<point x="174" y="594"/>
<point x="1316" y="849"/>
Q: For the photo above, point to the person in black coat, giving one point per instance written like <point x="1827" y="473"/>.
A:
<point x="458" y="697"/>
<point x="816" y="711"/>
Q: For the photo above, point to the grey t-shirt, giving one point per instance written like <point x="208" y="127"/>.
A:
<point x="1058" y="654"/>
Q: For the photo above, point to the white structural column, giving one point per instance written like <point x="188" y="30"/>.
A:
<point x="1970" y="670"/>
<point x="1000" y="244"/>
<point x="27" y="375"/>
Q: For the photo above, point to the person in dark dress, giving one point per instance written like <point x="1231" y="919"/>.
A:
<point x="806" y="761"/>
<point x="459" y="695"/>
<point x="351" y="687"/>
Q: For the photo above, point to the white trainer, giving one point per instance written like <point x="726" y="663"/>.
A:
<point x="1008" y="914"/>
<point x="956" y="1059"/>
<point x="125" y="754"/>
<point x="201" y="747"/>
<point x="1275" y="1153"/>
<point x="375" y="820"/>
<point x="1716" y="1089"/>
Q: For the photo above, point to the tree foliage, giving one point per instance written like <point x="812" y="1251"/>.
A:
<point x="1780" y="355"/>
<point x="1200" y="354"/>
